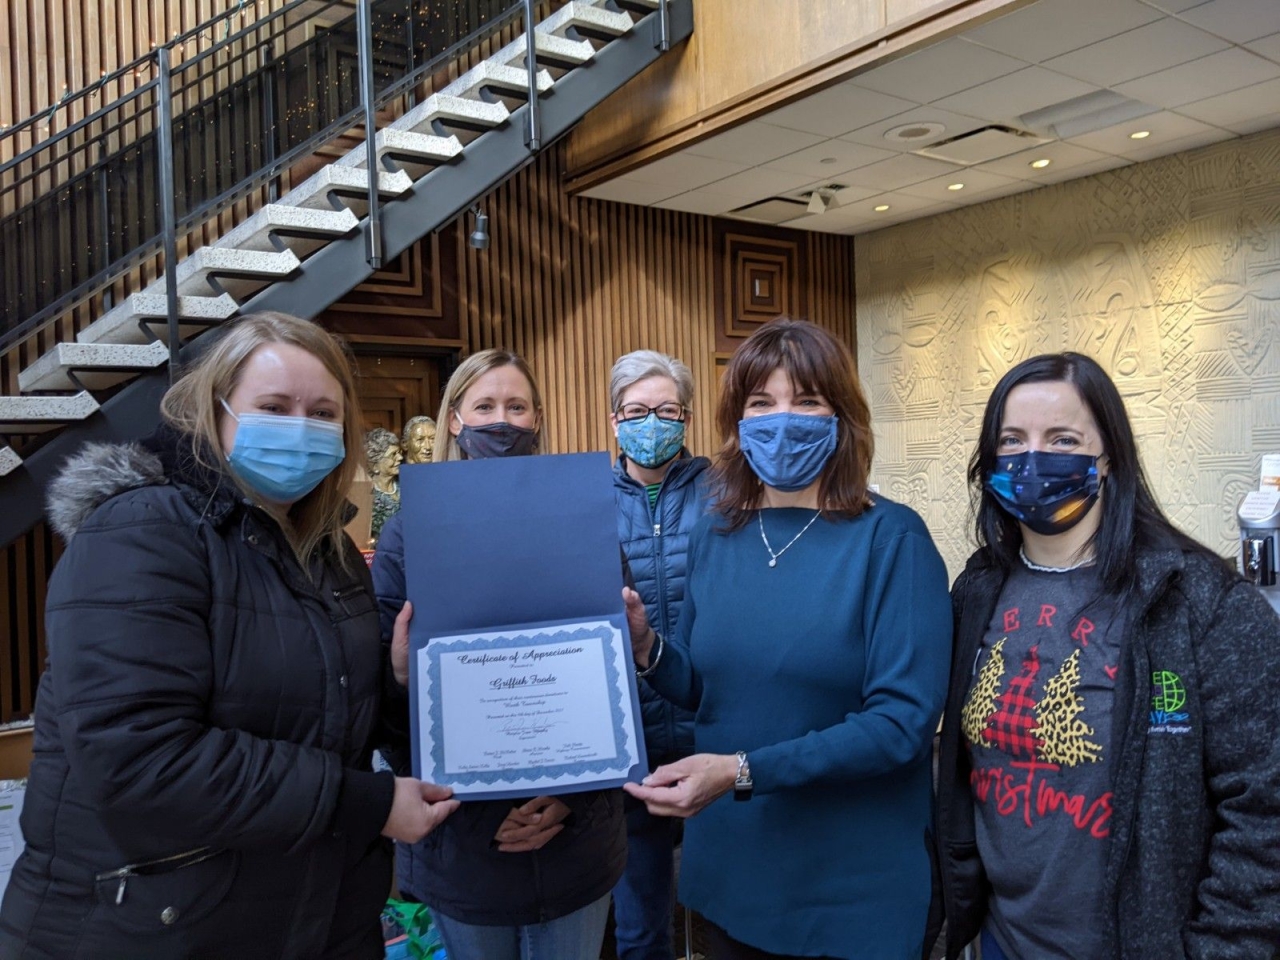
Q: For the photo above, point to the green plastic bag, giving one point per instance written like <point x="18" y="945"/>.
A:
<point x="410" y="933"/>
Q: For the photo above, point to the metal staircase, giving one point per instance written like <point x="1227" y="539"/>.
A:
<point x="308" y="248"/>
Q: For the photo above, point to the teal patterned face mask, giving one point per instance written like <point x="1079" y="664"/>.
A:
<point x="650" y="441"/>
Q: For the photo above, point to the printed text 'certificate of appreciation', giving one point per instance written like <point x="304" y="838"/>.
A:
<point x="534" y="710"/>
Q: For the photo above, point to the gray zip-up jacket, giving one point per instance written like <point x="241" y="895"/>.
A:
<point x="1194" y="865"/>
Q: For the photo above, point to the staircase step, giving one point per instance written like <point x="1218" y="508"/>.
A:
<point x="38" y="414"/>
<point x="497" y="77"/>
<point x="213" y="270"/>
<point x="95" y="366"/>
<point x="639" y="6"/>
<point x="301" y="229"/>
<point x="124" y="322"/>
<point x="439" y="110"/>
<point x="419" y="149"/>
<point x="591" y="20"/>
<point x="557" y="51"/>
<point x="9" y="461"/>
<point x="348" y="183"/>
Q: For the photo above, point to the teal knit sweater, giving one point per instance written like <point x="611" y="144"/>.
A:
<point x="830" y="671"/>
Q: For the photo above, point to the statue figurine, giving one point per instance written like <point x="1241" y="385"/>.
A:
<point x="382" y="452"/>
<point x="417" y="440"/>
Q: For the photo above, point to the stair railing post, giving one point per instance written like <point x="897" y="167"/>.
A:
<point x="664" y="26"/>
<point x="533" y="138"/>
<point x="269" y="118"/>
<point x="364" y="30"/>
<point x="168" y="201"/>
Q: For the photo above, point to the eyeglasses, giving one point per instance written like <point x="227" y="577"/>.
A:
<point x="638" y="411"/>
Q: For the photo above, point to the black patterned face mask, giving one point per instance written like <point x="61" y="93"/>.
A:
<point x="499" y="439"/>
<point x="1047" y="492"/>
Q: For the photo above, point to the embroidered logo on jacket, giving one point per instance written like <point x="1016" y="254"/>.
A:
<point x="1168" y="698"/>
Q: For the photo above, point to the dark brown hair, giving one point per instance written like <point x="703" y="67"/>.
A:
<point x="817" y="363"/>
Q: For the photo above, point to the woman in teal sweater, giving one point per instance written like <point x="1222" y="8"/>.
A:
<point x="814" y="647"/>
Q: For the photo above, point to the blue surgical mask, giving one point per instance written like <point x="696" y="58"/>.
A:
<point x="499" y="439"/>
<point x="1049" y="492"/>
<point x="284" y="458"/>
<point x="787" y="451"/>
<point x="651" y="441"/>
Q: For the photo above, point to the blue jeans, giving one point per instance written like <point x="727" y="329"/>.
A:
<point x="644" y="899"/>
<point x="577" y="936"/>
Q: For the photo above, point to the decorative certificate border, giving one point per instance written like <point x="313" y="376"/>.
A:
<point x="628" y="749"/>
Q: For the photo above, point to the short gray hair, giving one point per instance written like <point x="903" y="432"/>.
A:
<point x="643" y="364"/>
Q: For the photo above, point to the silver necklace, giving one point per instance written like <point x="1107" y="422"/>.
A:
<point x="1035" y="566"/>
<point x="773" y="557"/>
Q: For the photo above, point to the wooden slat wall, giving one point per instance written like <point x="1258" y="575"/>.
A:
<point x="24" y="574"/>
<point x="573" y="283"/>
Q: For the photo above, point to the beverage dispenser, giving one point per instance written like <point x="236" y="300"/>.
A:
<point x="1259" y="519"/>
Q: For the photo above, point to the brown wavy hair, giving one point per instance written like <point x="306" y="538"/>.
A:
<point x="817" y="363"/>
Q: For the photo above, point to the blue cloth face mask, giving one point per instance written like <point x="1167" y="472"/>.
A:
<point x="787" y="451"/>
<point x="650" y="441"/>
<point x="499" y="439"/>
<point x="284" y="458"/>
<point x="1048" y="492"/>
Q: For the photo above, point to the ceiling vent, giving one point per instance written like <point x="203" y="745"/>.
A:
<point x="1093" y="111"/>
<point x="773" y="210"/>
<point x="989" y="143"/>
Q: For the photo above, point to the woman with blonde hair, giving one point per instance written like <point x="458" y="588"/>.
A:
<point x="202" y="784"/>
<point x="507" y="880"/>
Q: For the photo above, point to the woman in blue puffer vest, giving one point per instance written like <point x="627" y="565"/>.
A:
<point x="660" y="495"/>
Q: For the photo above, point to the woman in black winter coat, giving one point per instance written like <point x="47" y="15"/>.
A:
<point x="201" y="786"/>
<point x="505" y="881"/>
<point x="1109" y="773"/>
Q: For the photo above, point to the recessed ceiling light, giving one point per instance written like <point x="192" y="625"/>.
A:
<point x="956" y="186"/>
<point x="1041" y="163"/>
<point x="827" y="160"/>
<point x="882" y="208"/>
<point x="1140" y="135"/>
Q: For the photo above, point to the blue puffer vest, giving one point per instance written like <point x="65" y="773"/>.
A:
<point x="656" y="543"/>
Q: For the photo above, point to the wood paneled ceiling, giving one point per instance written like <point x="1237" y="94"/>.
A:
<point x="1186" y="73"/>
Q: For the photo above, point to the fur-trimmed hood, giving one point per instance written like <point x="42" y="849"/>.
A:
<point x="98" y="472"/>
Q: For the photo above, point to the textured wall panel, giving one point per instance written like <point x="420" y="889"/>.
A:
<point x="1167" y="273"/>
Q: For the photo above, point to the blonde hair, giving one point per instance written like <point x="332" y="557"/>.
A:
<point x="193" y="407"/>
<point x="468" y="372"/>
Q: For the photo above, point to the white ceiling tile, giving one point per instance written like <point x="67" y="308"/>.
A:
<point x="1199" y="79"/>
<point x="1205" y="137"/>
<point x="954" y="124"/>
<point x="939" y="70"/>
<point x="1062" y="156"/>
<point x="753" y="143"/>
<point x="1156" y="46"/>
<point x="1046" y="29"/>
<point x="758" y="183"/>
<point x="683" y="171"/>
<point x="1241" y="111"/>
<point x="1006" y="99"/>
<point x="1164" y="128"/>
<point x="1237" y="20"/>
<point x="845" y="156"/>
<point x="976" y="182"/>
<point x="1268" y="47"/>
<point x="837" y="110"/>
<point x="847" y="194"/>
<point x="899" y="172"/>
<point x="1173" y="6"/>
<point x="630" y="191"/>
<point x="1088" y="169"/>
<point x="699" y="201"/>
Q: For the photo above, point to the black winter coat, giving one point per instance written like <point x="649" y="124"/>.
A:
<point x="655" y="542"/>
<point x="458" y="869"/>
<point x="1194" y="863"/>
<point x="201" y="784"/>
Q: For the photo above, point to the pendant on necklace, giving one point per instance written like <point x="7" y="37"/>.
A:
<point x="773" y="562"/>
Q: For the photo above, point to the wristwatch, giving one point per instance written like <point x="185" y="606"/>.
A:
<point x="742" y="783"/>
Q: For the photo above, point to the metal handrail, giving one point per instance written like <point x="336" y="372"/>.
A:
<point x="177" y="223"/>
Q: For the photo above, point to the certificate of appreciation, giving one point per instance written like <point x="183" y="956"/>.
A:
<point x="541" y="709"/>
